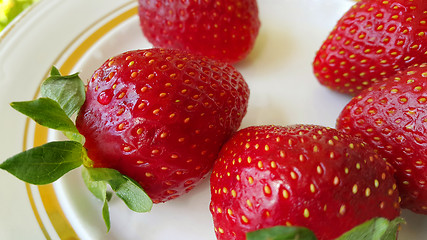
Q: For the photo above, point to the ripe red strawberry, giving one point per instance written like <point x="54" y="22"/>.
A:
<point x="223" y="30"/>
<point x="160" y="117"/>
<point x="303" y="175"/>
<point x="373" y="40"/>
<point x="392" y="117"/>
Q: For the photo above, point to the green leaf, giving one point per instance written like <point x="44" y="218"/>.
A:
<point x="45" y="164"/>
<point x="125" y="188"/>
<point x="281" y="233"/>
<point x="106" y="214"/>
<point x="133" y="195"/>
<point x="68" y="91"/>
<point x="104" y="174"/>
<point x="99" y="190"/>
<point x="46" y="112"/>
<point x="54" y="71"/>
<point x="374" y="229"/>
<point x="62" y="96"/>
<point x="77" y="137"/>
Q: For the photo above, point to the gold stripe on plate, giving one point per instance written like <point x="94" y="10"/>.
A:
<point x="47" y="192"/>
<point x="36" y="213"/>
<point x="92" y="39"/>
<point x="37" y="140"/>
<point x="50" y="202"/>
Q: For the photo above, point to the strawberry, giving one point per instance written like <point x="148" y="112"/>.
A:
<point x="160" y="117"/>
<point x="224" y="30"/>
<point x="302" y="175"/>
<point x="150" y="124"/>
<point x="373" y="40"/>
<point x="392" y="117"/>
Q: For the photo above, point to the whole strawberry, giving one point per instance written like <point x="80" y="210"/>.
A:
<point x="392" y="117"/>
<point x="373" y="40"/>
<point x="150" y="124"/>
<point x="224" y="30"/>
<point x="302" y="175"/>
<point x="160" y="117"/>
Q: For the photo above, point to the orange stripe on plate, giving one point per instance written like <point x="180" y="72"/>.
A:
<point x="47" y="193"/>
<point x="36" y="213"/>
<point x="55" y="213"/>
<point x="50" y="201"/>
<point x="89" y="42"/>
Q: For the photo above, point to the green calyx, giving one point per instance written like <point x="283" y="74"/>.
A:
<point x="61" y="98"/>
<point x="374" y="229"/>
<point x="96" y="180"/>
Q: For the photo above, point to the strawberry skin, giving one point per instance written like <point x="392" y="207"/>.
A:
<point x="219" y="29"/>
<point x="373" y="40"/>
<point x="301" y="175"/>
<point x="392" y="117"/>
<point x="160" y="117"/>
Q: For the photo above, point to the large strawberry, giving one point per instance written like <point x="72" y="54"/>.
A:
<point x="160" y="117"/>
<point x="373" y="40"/>
<point x="224" y="30"/>
<point x="303" y="175"/>
<point x="392" y="117"/>
<point x="157" y="116"/>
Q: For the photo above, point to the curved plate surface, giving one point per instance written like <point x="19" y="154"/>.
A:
<point x="78" y="36"/>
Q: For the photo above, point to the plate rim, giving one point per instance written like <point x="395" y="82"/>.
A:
<point x="49" y="199"/>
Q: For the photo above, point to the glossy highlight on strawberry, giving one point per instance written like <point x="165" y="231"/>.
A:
<point x="373" y="40"/>
<point x="392" y="117"/>
<point x="160" y="117"/>
<point x="301" y="175"/>
<point x="223" y="30"/>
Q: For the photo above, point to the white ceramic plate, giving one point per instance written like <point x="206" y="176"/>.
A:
<point x="78" y="36"/>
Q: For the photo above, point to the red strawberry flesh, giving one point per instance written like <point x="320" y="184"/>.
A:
<point x="373" y="40"/>
<point x="160" y="117"/>
<point x="392" y="117"/>
<point x="308" y="176"/>
<point x="224" y="30"/>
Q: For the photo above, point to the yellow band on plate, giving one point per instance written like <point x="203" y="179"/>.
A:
<point x="47" y="193"/>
